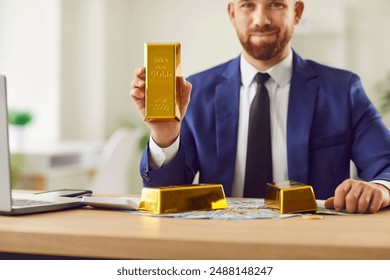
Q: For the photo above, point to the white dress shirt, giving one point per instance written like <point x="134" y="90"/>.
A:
<point x="278" y="87"/>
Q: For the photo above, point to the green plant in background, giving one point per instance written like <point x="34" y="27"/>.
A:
<point x="143" y="141"/>
<point x="384" y="89"/>
<point x="16" y="166"/>
<point x="19" y="118"/>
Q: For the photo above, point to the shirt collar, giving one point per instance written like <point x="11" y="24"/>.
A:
<point x="281" y="73"/>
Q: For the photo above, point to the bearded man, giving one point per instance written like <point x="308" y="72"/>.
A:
<point x="269" y="115"/>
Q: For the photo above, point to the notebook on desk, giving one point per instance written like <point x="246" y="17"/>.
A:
<point x="19" y="203"/>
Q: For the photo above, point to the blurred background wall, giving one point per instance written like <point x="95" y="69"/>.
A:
<point x="70" y="62"/>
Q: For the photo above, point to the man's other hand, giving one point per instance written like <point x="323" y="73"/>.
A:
<point x="359" y="196"/>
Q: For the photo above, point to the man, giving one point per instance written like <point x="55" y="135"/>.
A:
<point x="320" y="119"/>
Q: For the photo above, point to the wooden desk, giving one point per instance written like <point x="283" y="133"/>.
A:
<point x="105" y="234"/>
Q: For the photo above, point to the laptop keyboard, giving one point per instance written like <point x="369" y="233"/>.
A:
<point x="29" y="202"/>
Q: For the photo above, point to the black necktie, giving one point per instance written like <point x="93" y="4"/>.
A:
<point x="259" y="155"/>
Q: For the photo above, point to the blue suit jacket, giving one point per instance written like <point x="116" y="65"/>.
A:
<point x="330" y="122"/>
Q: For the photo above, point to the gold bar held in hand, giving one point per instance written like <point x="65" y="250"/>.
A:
<point x="162" y="63"/>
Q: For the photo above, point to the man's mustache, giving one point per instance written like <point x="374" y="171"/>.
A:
<point x="264" y="29"/>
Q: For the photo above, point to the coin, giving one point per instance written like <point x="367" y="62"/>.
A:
<point x="312" y="217"/>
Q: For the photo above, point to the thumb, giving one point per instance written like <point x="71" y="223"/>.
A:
<point x="185" y="88"/>
<point x="329" y="203"/>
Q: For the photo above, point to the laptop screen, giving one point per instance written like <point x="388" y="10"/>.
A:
<point x="5" y="172"/>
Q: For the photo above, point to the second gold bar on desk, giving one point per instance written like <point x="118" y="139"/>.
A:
<point x="290" y="197"/>
<point x="162" y="63"/>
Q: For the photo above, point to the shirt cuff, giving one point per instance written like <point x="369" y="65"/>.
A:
<point x="158" y="157"/>
<point x="382" y="182"/>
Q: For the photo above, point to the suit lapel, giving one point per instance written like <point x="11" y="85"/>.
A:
<point x="226" y="114"/>
<point x="302" y="101"/>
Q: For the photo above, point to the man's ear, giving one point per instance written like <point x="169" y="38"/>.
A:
<point x="230" y="9"/>
<point x="298" y="9"/>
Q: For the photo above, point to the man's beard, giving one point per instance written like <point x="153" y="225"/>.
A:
<point x="266" y="50"/>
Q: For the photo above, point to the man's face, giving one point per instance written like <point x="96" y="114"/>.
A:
<point x="265" y="27"/>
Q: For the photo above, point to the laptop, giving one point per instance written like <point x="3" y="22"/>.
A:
<point x="22" y="203"/>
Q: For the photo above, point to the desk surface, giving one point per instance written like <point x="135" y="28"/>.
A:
<point x="92" y="233"/>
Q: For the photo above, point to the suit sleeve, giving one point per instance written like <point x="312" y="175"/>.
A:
<point x="370" y="138"/>
<point x="180" y="171"/>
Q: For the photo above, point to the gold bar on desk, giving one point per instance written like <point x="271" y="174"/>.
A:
<point x="290" y="197"/>
<point x="162" y="62"/>
<point x="184" y="198"/>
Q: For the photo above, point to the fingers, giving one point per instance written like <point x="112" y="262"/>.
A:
<point x="138" y="84"/>
<point x="359" y="196"/>
<point x="365" y="200"/>
<point x="340" y="194"/>
<point x="375" y="204"/>
<point x="363" y="205"/>
<point x="353" y="199"/>
<point x="381" y="196"/>
<point x="137" y="92"/>
<point x="185" y="88"/>
<point x="140" y="72"/>
<point x="329" y="203"/>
